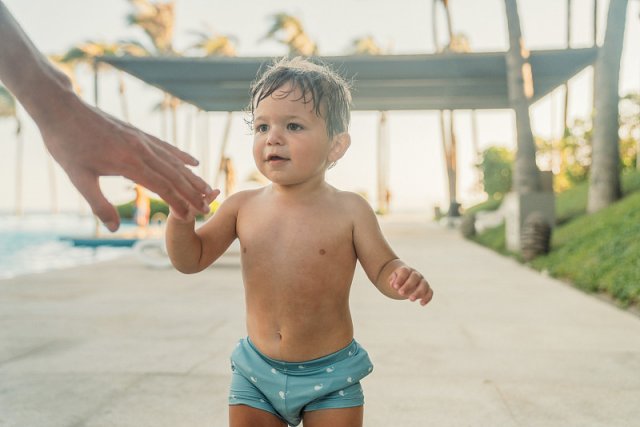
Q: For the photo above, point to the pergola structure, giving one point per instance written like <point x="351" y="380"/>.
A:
<point x="442" y="81"/>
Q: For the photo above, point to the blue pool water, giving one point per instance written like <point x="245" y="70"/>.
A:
<point x="31" y="244"/>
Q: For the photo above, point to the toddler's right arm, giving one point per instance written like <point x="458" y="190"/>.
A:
<point x="183" y="244"/>
<point x="192" y="250"/>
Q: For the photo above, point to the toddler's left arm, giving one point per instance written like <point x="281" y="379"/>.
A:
<point x="392" y="276"/>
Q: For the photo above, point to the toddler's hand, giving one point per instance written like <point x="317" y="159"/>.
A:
<point x="192" y="212"/>
<point x="409" y="283"/>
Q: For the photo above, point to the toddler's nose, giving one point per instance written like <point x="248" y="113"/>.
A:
<point x="274" y="137"/>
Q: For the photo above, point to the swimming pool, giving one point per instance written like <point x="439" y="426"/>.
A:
<point x="31" y="244"/>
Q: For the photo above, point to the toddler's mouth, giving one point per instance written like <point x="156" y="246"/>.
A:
<point x="275" y="158"/>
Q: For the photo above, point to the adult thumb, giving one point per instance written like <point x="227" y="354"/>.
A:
<point x="88" y="185"/>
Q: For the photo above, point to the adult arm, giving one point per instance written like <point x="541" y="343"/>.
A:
<point x="87" y="142"/>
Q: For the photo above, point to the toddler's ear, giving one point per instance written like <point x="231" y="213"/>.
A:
<point x="341" y="143"/>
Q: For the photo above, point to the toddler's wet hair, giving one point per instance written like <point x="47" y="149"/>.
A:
<point x="318" y="83"/>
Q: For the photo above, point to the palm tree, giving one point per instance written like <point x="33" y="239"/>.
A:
<point x="211" y="43"/>
<point x="87" y="53"/>
<point x="157" y="20"/>
<point x="288" y="30"/>
<point x="604" y="179"/>
<point x="520" y="85"/>
<point x="457" y="43"/>
<point x="565" y="111"/>
<point x="8" y="110"/>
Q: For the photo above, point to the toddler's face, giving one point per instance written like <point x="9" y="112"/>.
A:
<point x="290" y="143"/>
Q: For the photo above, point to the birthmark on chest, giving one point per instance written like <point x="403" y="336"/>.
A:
<point x="322" y="252"/>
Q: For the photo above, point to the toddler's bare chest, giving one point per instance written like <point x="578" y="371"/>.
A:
<point x="303" y="241"/>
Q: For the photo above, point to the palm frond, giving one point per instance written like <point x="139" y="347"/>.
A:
<point x="365" y="45"/>
<point x="211" y="43"/>
<point x="157" y="20"/>
<point x="288" y="30"/>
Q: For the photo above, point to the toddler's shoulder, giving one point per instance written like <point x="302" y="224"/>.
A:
<point x="236" y="201"/>
<point x="244" y="196"/>
<point x="354" y="202"/>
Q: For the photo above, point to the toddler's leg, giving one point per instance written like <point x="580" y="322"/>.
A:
<point x="246" y="416"/>
<point x="334" y="417"/>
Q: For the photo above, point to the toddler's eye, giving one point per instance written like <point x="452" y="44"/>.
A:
<point x="294" y="126"/>
<point x="261" y="128"/>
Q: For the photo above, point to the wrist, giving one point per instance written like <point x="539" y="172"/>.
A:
<point x="54" y="101"/>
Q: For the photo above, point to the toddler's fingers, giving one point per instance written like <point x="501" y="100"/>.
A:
<point x="424" y="301"/>
<point x="411" y="283"/>
<point x="421" y="290"/>
<point x="401" y="275"/>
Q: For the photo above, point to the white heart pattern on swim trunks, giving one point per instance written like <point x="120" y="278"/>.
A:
<point x="318" y="387"/>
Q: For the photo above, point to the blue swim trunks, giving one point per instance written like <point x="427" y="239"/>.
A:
<point x="287" y="389"/>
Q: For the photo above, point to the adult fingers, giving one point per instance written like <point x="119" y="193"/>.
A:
<point x="178" y="181"/>
<point x="149" y="178"/>
<point x="179" y="192"/>
<point x="89" y="186"/>
<point x="174" y="151"/>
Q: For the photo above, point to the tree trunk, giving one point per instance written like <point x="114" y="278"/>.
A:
<point x="565" y="111"/>
<point x="520" y="85"/>
<point x="123" y="98"/>
<point x="604" y="178"/>
<point x="19" y="167"/>
<point x="53" y="186"/>
<point x="223" y="148"/>
<point x="383" y="164"/>
<point x="173" y="106"/>
<point x="448" y="136"/>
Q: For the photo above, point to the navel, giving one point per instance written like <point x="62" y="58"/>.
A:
<point x="244" y="250"/>
<point x="322" y="252"/>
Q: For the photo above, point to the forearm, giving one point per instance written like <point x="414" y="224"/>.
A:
<point x="34" y="81"/>
<point x="183" y="245"/>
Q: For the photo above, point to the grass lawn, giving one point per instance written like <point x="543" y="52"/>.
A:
<point x="597" y="253"/>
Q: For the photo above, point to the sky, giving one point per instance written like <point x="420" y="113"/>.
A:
<point x="417" y="173"/>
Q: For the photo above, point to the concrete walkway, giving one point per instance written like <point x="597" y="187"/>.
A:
<point x="118" y="344"/>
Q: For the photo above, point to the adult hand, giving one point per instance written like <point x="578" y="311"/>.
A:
<point x="89" y="143"/>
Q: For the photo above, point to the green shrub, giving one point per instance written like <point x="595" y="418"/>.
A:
<point x="496" y="167"/>
<point x="157" y="205"/>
